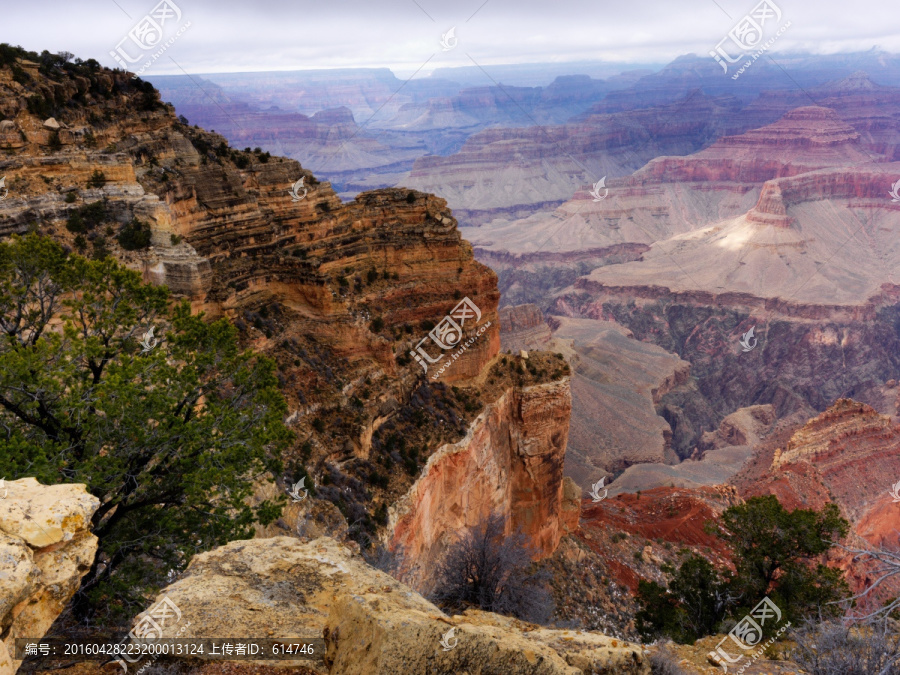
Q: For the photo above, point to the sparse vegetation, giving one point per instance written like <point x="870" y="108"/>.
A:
<point x="664" y="662"/>
<point x="487" y="569"/>
<point x="85" y="218"/>
<point x="776" y="556"/>
<point x="837" y="648"/>
<point x="97" y="179"/>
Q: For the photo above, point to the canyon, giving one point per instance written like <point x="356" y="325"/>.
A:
<point x="787" y="210"/>
<point x="340" y="295"/>
<point x="615" y="355"/>
<point x="364" y="128"/>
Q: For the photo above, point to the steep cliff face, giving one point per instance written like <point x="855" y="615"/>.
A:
<point x="370" y="308"/>
<point x="510" y="463"/>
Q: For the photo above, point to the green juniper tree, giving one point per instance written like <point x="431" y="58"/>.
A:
<point x="776" y="554"/>
<point x="169" y="432"/>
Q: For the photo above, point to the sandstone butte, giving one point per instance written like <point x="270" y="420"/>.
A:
<point x="312" y="276"/>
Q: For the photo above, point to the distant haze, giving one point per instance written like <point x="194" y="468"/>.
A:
<point x="299" y="34"/>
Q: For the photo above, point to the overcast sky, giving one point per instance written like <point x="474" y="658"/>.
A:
<point x="226" y="35"/>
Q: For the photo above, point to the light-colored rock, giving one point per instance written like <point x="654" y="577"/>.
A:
<point x="372" y="624"/>
<point x="18" y="574"/>
<point x="45" y="514"/>
<point x="51" y="123"/>
<point x="617" y="384"/>
<point x="45" y="550"/>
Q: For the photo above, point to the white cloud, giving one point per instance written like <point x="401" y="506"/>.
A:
<point x="292" y="34"/>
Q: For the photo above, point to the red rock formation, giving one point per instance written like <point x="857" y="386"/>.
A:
<point x="848" y="455"/>
<point x="510" y="463"/>
<point x="674" y="515"/>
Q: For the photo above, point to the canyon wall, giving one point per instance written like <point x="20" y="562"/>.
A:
<point x="849" y="455"/>
<point x="360" y="304"/>
<point x="510" y="463"/>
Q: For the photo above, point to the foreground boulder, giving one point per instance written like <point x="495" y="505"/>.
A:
<point x="281" y="587"/>
<point x="45" y="550"/>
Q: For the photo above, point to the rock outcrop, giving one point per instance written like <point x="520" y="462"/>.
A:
<point x="510" y="463"/>
<point x="372" y="624"/>
<point x="523" y="328"/>
<point x="45" y="549"/>
<point x="848" y="455"/>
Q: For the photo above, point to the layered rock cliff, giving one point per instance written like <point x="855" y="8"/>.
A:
<point x="510" y="173"/>
<point x="848" y="455"/>
<point x="384" y="327"/>
<point x="45" y="549"/>
<point x="510" y="463"/>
